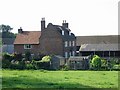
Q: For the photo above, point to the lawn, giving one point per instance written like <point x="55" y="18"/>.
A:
<point x="59" y="79"/>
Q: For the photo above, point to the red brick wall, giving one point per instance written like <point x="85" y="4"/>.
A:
<point x="20" y="49"/>
<point x="51" y="42"/>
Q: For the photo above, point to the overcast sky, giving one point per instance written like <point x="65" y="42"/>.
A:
<point x="85" y="17"/>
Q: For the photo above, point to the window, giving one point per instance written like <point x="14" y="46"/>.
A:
<point x="73" y="43"/>
<point x="66" y="54"/>
<point x="69" y="32"/>
<point x="69" y="43"/>
<point x="27" y="46"/>
<point x="70" y="53"/>
<point x="66" y="43"/>
<point x="73" y="53"/>
<point x="62" y="32"/>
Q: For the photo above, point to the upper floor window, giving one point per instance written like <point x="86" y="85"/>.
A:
<point x="69" y="32"/>
<point x="27" y="46"/>
<point x="69" y="43"/>
<point x="73" y="43"/>
<point x="66" y="43"/>
<point x="63" y="32"/>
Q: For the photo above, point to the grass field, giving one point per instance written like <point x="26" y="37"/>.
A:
<point x="59" y="79"/>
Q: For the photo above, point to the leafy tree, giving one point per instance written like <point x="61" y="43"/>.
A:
<point x="96" y="62"/>
<point x="6" y="31"/>
<point x="5" y="28"/>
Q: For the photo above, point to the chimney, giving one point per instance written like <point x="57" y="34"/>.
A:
<point x="64" y="24"/>
<point x="20" y="30"/>
<point x="42" y="24"/>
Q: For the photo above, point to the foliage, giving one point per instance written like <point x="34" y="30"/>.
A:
<point x="96" y="62"/>
<point x="5" y="63"/>
<point x="7" y="56"/>
<point x="27" y="55"/>
<point x="46" y="59"/>
<point x="59" y="79"/>
<point x="18" y="56"/>
<point x="6" y="31"/>
<point x="65" y="67"/>
<point x="5" y="28"/>
<point x="116" y="67"/>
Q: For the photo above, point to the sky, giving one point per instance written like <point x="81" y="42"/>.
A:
<point x="85" y="17"/>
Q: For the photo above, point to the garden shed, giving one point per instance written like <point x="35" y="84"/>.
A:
<point x="79" y="62"/>
<point x="57" y="61"/>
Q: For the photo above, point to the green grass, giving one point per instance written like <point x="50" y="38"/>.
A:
<point x="59" y="79"/>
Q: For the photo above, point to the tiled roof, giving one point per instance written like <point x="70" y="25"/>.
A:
<point x="108" y="39"/>
<point x="28" y="37"/>
<point x="99" y="47"/>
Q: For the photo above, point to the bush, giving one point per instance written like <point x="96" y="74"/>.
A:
<point x="116" y="67"/>
<point x="5" y="63"/>
<point x="29" y="66"/>
<point x="18" y="56"/>
<point x="27" y="56"/>
<point x="46" y="59"/>
<point x="7" y="56"/>
<point x="96" y="62"/>
<point x="65" y="67"/>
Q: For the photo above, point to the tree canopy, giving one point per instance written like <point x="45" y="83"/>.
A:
<point x="6" y="31"/>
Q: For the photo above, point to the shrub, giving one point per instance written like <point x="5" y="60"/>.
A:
<point x="27" y="56"/>
<point x="29" y="66"/>
<point x="18" y="56"/>
<point x="5" y="63"/>
<point x="116" y="67"/>
<point x="96" y="62"/>
<point x="7" y="56"/>
<point x="46" y="59"/>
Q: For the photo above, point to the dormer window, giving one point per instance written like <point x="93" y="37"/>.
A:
<point x="27" y="46"/>
<point x="63" y="32"/>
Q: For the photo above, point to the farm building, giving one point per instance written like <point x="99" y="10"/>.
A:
<point x="51" y="40"/>
<point x="104" y="46"/>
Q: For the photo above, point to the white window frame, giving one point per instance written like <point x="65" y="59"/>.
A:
<point x="70" y="33"/>
<point x="66" y="54"/>
<point x="73" y="43"/>
<point x="63" y="33"/>
<point x="73" y="53"/>
<point x="27" y="45"/>
<point x="66" y="43"/>
<point x="70" y="43"/>
<point x="70" y="54"/>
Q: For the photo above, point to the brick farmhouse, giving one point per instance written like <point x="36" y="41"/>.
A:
<point x="51" y="40"/>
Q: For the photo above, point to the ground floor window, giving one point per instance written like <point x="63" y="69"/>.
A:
<point x="66" y="54"/>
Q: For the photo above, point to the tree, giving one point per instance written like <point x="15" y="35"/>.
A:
<point x="96" y="62"/>
<point x="5" y="28"/>
<point x="6" y="31"/>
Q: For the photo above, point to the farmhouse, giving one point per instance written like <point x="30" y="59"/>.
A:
<point x="51" y="40"/>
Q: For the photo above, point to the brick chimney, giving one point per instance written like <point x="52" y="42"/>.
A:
<point x="42" y="24"/>
<point x="64" y="24"/>
<point x="20" y="30"/>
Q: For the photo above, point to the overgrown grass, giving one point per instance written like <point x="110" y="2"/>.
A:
<point x="59" y="79"/>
